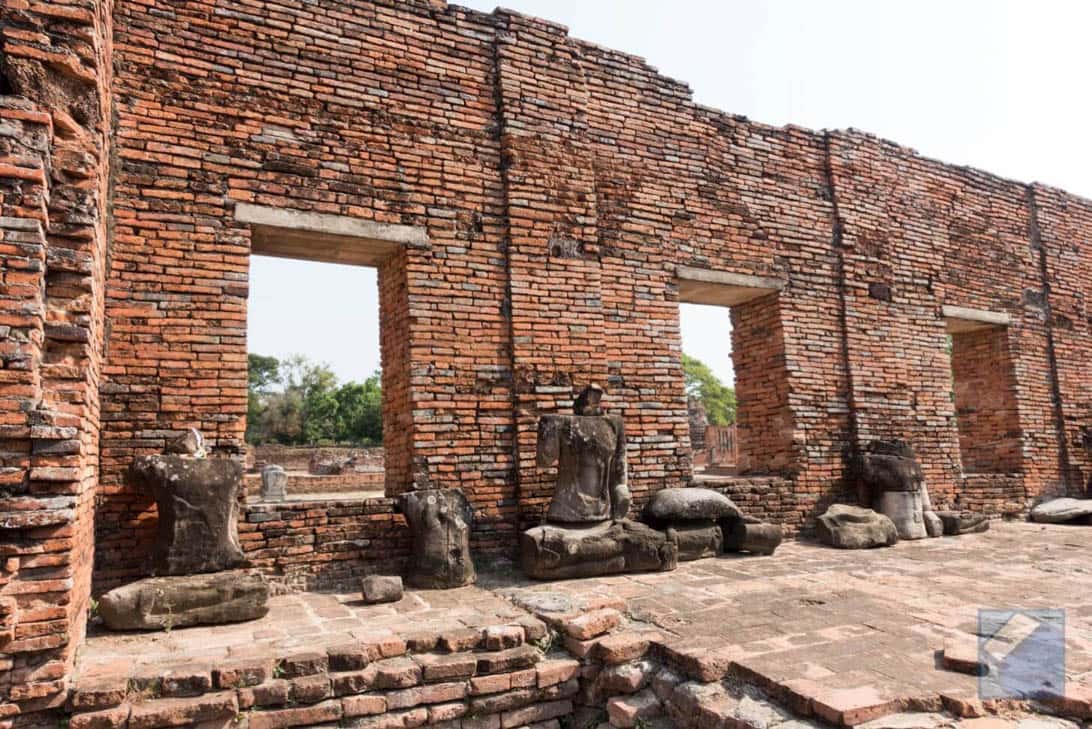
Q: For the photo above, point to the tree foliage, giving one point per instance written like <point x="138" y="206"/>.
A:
<point x="719" y="399"/>
<point x="298" y="402"/>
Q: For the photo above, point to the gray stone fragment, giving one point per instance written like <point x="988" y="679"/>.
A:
<point x="1061" y="511"/>
<point x="696" y="540"/>
<point x="439" y="520"/>
<point x="750" y="535"/>
<point x="190" y="443"/>
<point x="159" y="603"/>
<point x="381" y="588"/>
<point x="853" y="527"/>
<point x="554" y="552"/>
<point x="198" y="503"/>
<point x="963" y="522"/>
<point x="274" y="483"/>
<point x="690" y="504"/>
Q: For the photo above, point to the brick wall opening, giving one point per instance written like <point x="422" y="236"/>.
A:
<point x="323" y="238"/>
<point x="706" y="336"/>
<point x="764" y="426"/>
<point x="328" y="442"/>
<point x="984" y="392"/>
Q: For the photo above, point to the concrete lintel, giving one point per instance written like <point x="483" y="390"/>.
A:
<point x="959" y="319"/>
<point x="721" y="288"/>
<point x="288" y="233"/>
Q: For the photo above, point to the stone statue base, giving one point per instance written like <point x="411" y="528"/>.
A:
<point x="906" y="509"/>
<point x="556" y="552"/>
<point x="956" y="523"/>
<point x="163" y="603"/>
<point x="198" y="504"/>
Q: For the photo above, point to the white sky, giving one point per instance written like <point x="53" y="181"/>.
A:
<point x="997" y="84"/>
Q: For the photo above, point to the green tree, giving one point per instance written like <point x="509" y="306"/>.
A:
<point x="262" y="373"/>
<point x="310" y="406"/>
<point x="719" y="399"/>
<point x="360" y="411"/>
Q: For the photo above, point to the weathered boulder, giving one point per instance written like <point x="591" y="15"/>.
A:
<point x="696" y="540"/>
<point x="381" y="588"/>
<point x="853" y="527"/>
<point x="198" y="502"/>
<point x="553" y="552"/>
<point x="670" y="506"/>
<point x="439" y="520"/>
<point x="164" y="603"/>
<point x="1063" y="510"/>
<point x="274" y="483"/>
<point x="962" y="522"/>
<point x="750" y="535"/>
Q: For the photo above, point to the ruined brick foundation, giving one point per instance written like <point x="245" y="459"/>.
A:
<point x="537" y="208"/>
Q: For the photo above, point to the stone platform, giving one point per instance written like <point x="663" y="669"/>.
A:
<point x="809" y="635"/>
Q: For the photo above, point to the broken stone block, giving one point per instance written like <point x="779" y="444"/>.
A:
<point x="626" y="711"/>
<point x="552" y="552"/>
<point x="896" y="484"/>
<point x="161" y="603"/>
<point x="750" y="535"/>
<point x="274" y="483"/>
<point x="198" y="502"/>
<point x="854" y="527"/>
<point x="963" y="522"/>
<point x="190" y="443"/>
<point x="439" y="520"/>
<point x="962" y="655"/>
<point x="381" y="588"/>
<point x="1062" y="511"/>
<point x="696" y="540"/>
<point x="670" y="506"/>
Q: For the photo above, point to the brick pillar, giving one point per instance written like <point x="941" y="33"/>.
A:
<point x="553" y="257"/>
<point x="764" y="418"/>
<point x="53" y="235"/>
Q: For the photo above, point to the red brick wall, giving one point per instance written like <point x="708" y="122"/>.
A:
<point x="560" y="185"/>
<point x="765" y="425"/>
<point x="1064" y="233"/>
<point x="317" y="544"/>
<point x="985" y="401"/>
<point x="55" y="77"/>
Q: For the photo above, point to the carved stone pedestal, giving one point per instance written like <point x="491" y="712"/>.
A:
<point x="439" y="520"/>
<point x="198" y="502"/>
<point x="552" y="552"/>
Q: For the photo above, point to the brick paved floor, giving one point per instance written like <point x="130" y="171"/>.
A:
<point x="851" y="626"/>
<point x="813" y="623"/>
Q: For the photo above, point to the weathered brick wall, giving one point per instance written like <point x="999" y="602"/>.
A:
<point x="316" y="544"/>
<point x="765" y="420"/>
<point x="985" y="401"/>
<point x="1064" y="233"/>
<point x="55" y="80"/>
<point x="560" y="185"/>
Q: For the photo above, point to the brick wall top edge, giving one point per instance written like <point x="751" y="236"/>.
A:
<point x="685" y="91"/>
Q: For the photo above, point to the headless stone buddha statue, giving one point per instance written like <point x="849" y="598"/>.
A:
<point x="590" y="450"/>
<point x="586" y="531"/>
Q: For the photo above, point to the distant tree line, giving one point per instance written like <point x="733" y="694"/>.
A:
<point x="718" y="399"/>
<point x="297" y="402"/>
